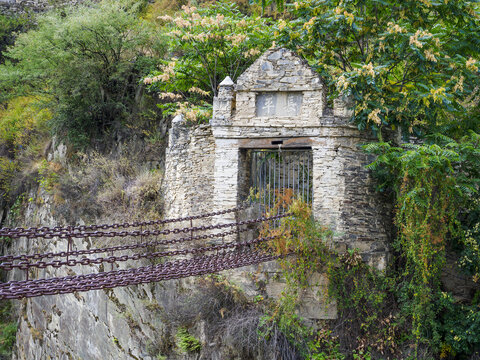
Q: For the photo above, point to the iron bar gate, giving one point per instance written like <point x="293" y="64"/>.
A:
<point x="274" y="171"/>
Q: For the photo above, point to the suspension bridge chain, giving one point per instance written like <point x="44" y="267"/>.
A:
<point x="193" y="261"/>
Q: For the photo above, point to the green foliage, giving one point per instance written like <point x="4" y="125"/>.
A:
<point x="434" y="183"/>
<point x="364" y="302"/>
<point x="8" y="334"/>
<point x="301" y="235"/>
<point x="8" y="328"/>
<point x="359" y="291"/>
<point x="49" y="175"/>
<point x="161" y="7"/>
<point x="470" y="243"/>
<point x="8" y="167"/>
<point x="87" y="62"/>
<point x="212" y="43"/>
<point x="20" y="121"/>
<point x="17" y="206"/>
<point x="325" y="346"/>
<point x="186" y="342"/>
<point x="9" y="26"/>
<point x="409" y="64"/>
<point x="459" y="325"/>
<point x="364" y="296"/>
<point x="22" y="131"/>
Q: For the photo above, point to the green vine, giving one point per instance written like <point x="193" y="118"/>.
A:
<point x="359" y="292"/>
<point x="433" y="184"/>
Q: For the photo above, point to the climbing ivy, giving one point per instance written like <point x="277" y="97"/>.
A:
<point x="305" y="240"/>
<point x="433" y="183"/>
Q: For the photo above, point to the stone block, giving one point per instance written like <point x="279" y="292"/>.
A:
<point x="279" y="104"/>
<point x="343" y="107"/>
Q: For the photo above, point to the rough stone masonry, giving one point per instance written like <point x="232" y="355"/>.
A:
<point x="280" y="100"/>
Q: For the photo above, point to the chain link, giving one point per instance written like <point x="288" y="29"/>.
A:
<point x="24" y="265"/>
<point x="171" y="270"/>
<point x="135" y="233"/>
<point x="49" y="255"/>
<point x="37" y="231"/>
<point x="200" y="260"/>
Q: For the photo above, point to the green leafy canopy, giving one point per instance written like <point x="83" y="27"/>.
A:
<point x="86" y="61"/>
<point x="209" y="44"/>
<point x="408" y="64"/>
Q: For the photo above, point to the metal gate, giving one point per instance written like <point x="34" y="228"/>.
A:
<point x="274" y="171"/>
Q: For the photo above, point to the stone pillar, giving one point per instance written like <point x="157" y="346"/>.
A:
<point x="328" y="183"/>
<point x="174" y="167"/>
<point x="223" y="103"/>
<point x="226" y="178"/>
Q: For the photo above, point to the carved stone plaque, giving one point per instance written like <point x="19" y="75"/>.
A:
<point x="278" y="103"/>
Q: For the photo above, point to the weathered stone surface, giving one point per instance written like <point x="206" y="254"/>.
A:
<point x="15" y="7"/>
<point x="343" y="107"/>
<point x="275" y="72"/>
<point x="189" y="164"/>
<point x="121" y="323"/>
<point x="278" y="104"/>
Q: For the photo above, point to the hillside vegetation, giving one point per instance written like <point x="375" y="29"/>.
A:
<point x="105" y="78"/>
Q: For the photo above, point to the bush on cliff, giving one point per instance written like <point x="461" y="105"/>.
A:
<point x="86" y="62"/>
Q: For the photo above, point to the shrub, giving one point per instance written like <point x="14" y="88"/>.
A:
<point x="10" y="25"/>
<point x="22" y="118"/>
<point x="22" y="135"/>
<point x="437" y="186"/>
<point x="186" y="342"/>
<point x="115" y="187"/>
<point x="8" y="167"/>
<point x="88" y="61"/>
<point x="8" y="329"/>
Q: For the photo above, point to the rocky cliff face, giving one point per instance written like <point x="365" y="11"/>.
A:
<point x="164" y="320"/>
<point x="36" y="6"/>
<point x="137" y="322"/>
<point x="122" y="323"/>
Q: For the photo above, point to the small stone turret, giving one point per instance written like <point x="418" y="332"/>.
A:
<point x="343" y="106"/>
<point x="223" y="104"/>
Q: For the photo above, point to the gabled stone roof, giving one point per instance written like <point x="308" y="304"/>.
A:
<point x="279" y="69"/>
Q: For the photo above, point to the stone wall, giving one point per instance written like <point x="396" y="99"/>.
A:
<point x="345" y="196"/>
<point x="189" y="165"/>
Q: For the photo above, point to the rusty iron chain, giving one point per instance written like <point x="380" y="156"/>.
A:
<point x="135" y="233"/>
<point x="24" y="265"/>
<point x="200" y="261"/>
<point x="171" y="270"/>
<point x="50" y="255"/>
<point x="44" y="229"/>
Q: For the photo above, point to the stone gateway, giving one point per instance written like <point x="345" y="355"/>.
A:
<point x="280" y="103"/>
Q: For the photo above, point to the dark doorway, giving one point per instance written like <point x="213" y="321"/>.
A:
<point x="273" y="171"/>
